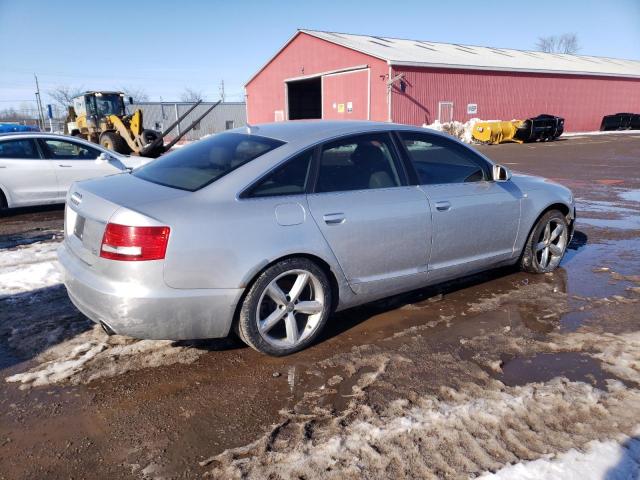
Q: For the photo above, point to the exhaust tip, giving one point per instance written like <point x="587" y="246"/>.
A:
<point x="107" y="329"/>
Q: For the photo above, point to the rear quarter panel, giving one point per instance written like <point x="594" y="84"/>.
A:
<point x="225" y="243"/>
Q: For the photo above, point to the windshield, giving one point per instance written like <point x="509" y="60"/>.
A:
<point x="203" y="162"/>
<point x="108" y="104"/>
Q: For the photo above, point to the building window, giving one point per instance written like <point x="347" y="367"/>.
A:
<point x="229" y="124"/>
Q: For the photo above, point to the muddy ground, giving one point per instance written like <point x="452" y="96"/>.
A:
<point x="452" y="381"/>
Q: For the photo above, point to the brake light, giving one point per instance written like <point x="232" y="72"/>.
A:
<point x="122" y="242"/>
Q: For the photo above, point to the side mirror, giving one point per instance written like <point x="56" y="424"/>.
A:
<point x="501" y="173"/>
<point x="103" y="158"/>
<point x="130" y="100"/>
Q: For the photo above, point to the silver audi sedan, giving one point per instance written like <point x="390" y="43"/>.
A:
<point x="268" y="229"/>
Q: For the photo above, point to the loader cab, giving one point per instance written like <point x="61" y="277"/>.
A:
<point x="100" y="104"/>
<point x="105" y="104"/>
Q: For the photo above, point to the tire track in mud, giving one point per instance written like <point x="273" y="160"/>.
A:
<point x="400" y="423"/>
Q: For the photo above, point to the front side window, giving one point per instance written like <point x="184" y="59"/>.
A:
<point x="19" y="149"/>
<point x="203" y="162"/>
<point x="360" y="162"/>
<point x="439" y="160"/>
<point x="289" y="179"/>
<point x="63" y="150"/>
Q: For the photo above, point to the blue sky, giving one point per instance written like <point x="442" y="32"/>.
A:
<point x="163" y="47"/>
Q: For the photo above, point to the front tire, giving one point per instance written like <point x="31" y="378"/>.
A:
<point x="285" y="308"/>
<point x="113" y="141"/>
<point x="546" y="244"/>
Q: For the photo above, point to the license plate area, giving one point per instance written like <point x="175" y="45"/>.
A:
<point x="78" y="228"/>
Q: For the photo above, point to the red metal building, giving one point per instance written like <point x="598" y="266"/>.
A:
<point x="344" y="76"/>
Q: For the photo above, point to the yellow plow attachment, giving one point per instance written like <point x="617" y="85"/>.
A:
<point x="496" y="132"/>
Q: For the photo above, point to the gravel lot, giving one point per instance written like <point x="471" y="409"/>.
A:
<point x="501" y="375"/>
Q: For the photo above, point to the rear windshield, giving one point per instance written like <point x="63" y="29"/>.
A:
<point x="203" y="162"/>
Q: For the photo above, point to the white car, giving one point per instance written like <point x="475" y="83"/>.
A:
<point x="38" y="168"/>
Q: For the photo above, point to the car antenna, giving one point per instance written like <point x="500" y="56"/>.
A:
<point x="251" y="129"/>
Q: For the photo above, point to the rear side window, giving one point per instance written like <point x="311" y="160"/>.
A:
<point x="289" y="179"/>
<point x="439" y="160"/>
<point x="201" y="163"/>
<point x="20" y="149"/>
<point x="360" y="162"/>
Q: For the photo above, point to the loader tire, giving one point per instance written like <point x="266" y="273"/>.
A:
<point x="113" y="141"/>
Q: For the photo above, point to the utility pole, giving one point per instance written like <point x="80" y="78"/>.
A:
<point x="222" y="90"/>
<point x="39" y="104"/>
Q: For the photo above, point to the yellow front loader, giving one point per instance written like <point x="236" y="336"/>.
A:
<point x="101" y="117"/>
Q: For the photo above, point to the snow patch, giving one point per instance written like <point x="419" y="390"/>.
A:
<point x="608" y="460"/>
<point x="93" y="354"/>
<point x="28" y="268"/>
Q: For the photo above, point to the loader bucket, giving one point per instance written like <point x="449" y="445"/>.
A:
<point x="496" y="132"/>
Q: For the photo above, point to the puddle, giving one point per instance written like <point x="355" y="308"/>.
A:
<point x="543" y="367"/>
<point x="601" y="206"/>
<point x="631" y="222"/>
<point x="630" y="195"/>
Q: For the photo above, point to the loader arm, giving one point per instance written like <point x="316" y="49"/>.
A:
<point x="129" y="135"/>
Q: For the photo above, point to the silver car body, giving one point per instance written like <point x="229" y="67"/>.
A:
<point x="374" y="243"/>
<point x="46" y="179"/>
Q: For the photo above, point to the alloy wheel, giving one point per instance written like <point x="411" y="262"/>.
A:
<point x="290" y="308"/>
<point x="551" y="244"/>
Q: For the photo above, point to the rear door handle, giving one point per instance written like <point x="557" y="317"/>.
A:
<point x="64" y="166"/>
<point x="443" y="206"/>
<point x="334" y="218"/>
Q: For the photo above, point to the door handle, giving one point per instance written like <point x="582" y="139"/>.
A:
<point x="64" y="166"/>
<point x="334" y="218"/>
<point x="443" y="206"/>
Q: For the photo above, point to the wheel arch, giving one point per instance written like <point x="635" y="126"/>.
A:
<point x="321" y="262"/>
<point x="4" y="198"/>
<point x="562" y="207"/>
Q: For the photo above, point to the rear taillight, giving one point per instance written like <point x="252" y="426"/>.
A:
<point x="122" y="242"/>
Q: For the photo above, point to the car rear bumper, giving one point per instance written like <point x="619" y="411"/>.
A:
<point x="151" y="313"/>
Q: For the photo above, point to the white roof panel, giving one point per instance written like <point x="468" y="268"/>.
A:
<point x="419" y="53"/>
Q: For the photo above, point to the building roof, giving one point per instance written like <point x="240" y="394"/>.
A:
<point x="419" y="53"/>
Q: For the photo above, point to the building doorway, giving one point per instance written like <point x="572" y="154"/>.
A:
<point x="304" y="99"/>
<point x="445" y="112"/>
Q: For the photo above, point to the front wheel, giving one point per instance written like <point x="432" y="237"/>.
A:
<point x="113" y="141"/>
<point x="546" y="244"/>
<point x="286" y="308"/>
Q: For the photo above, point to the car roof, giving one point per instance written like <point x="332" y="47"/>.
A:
<point x="314" y="130"/>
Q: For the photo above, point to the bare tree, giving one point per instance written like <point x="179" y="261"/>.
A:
<point x="565" y="43"/>
<point x="63" y="95"/>
<point x="191" y="95"/>
<point x="138" y="94"/>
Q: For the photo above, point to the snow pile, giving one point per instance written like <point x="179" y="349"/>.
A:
<point x="600" y="132"/>
<point x="608" y="460"/>
<point x="93" y="354"/>
<point x="28" y="268"/>
<point x="462" y="131"/>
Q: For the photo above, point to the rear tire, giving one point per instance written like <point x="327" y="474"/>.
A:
<point x="113" y="141"/>
<point x="546" y="244"/>
<point x="286" y="307"/>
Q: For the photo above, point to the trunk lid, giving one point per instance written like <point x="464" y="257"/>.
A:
<point x="90" y="205"/>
